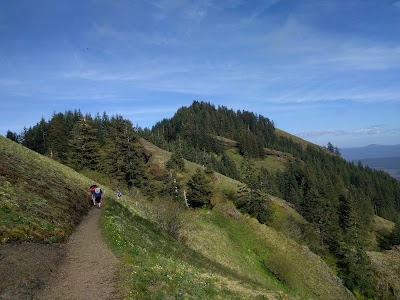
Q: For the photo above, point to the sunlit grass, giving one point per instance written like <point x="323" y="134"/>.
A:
<point x="296" y="139"/>
<point x="41" y="200"/>
<point x="156" y="266"/>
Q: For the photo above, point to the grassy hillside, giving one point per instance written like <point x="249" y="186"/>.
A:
<point x="296" y="139"/>
<point x="387" y="269"/>
<point x="40" y="199"/>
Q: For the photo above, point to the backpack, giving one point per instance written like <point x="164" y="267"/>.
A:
<point x="97" y="192"/>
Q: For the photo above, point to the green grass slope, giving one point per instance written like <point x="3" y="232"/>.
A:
<point x="296" y="139"/>
<point x="40" y="199"/>
<point x="387" y="272"/>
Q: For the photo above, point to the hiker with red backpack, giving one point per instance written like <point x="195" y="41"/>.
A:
<point x="91" y="189"/>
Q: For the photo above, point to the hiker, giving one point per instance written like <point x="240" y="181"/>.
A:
<point x="98" y="196"/>
<point x="91" y="189"/>
<point x="119" y="195"/>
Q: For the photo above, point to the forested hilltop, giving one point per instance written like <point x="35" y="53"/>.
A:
<point x="338" y="199"/>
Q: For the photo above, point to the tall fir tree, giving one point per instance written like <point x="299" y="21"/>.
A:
<point x="251" y="199"/>
<point x="84" y="146"/>
<point x="58" y="146"/>
<point x="176" y="162"/>
<point x="199" y="189"/>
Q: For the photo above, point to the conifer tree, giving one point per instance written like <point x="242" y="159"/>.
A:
<point x="84" y="146"/>
<point x="113" y="161"/>
<point x="228" y="167"/>
<point x="347" y="219"/>
<point x="199" y="190"/>
<point x="58" y="138"/>
<point x="35" y="137"/>
<point x="330" y="147"/>
<point x="172" y="188"/>
<point x="12" y="136"/>
<point x="122" y="153"/>
<point x="251" y="199"/>
<point x="267" y="182"/>
<point x="176" y="162"/>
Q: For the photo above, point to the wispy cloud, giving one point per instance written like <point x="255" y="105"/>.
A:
<point x="193" y="11"/>
<point x="261" y="9"/>
<point x="6" y="82"/>
<point x="315" y="133"/>
<point x="373" y="130"/>
<point x="302" y="46"/>
<point x="140" y="73"/>
<point x="396" y="4"/>
<point x="102" y="31"/>
<point x="359" y="57"/>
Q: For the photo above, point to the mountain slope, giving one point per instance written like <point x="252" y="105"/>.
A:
<point x="370" y="151"/>
<point x="390" y="165"/>
<point x="250" y="249"/>
<point x="41" y="203"/>
<point x="337" y="198"/>
<point x="40" y="199"/>
<point x="378" y="157"/>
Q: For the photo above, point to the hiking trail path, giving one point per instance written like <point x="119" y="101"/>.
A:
<point x="89" y="267"/>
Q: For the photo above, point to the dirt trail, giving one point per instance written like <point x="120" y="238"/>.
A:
<point x="88" y="268"/>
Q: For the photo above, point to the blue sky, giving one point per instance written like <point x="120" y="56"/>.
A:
<point x="327" y="71"/>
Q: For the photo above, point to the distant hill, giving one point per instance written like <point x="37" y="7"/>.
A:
<point x="378" y="157"/>
<point x="391" y="165"/>
<point x="382" y="163"/>
<point x="370" y="151"/>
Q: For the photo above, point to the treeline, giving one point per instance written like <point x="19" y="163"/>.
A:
<point x="196" y="127"/>
<point x="337" y="198"/>
<point x="101" y="143"/>
<point x="193" y="131"/>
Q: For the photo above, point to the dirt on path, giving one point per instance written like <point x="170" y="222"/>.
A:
<point x="83" y="268"/>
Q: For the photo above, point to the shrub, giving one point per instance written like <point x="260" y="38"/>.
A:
<point x="168" y="216"/>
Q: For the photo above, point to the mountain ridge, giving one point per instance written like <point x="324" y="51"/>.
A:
<point x="370" y="151"/>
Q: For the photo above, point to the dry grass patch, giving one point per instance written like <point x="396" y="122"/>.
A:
<point x="382" y="225"/>
<point x="295" y="139"/>
<point x="386" y="266"/>
<point x="299" y="267"/>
